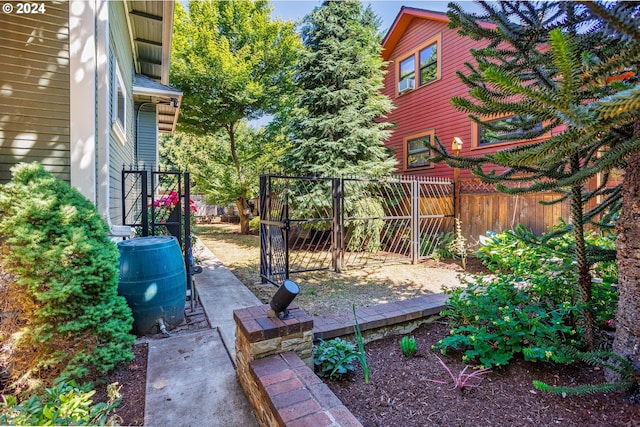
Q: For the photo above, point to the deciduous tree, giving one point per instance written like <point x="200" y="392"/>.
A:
<point x="233" y="63"/>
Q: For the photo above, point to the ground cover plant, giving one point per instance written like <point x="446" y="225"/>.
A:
<point x="61" y="315"/>
<point x="530" y="306"/>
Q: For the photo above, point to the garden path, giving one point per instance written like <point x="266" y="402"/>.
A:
<point x="191" y="377"/>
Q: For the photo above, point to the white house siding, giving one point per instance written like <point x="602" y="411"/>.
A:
<point x="34" y="89"/>
<point x="120" y="153"/>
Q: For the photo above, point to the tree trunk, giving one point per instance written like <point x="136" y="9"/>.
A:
<point x="243" y="211"/>
<point x="627" y="340"/>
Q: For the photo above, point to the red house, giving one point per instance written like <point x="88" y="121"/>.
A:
<point x="423" y="56"/>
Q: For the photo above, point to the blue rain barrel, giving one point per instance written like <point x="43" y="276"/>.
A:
<point x="153" y="281"/>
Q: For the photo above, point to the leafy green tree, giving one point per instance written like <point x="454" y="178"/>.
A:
<point x="70" y="321"/>
<point x="233" y="63"/>
<point x="336" y="128"/>
<point x="535" y="70"/>
<point x="208" y="159"/>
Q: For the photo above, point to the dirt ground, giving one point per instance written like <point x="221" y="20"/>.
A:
<point x="401" y="393"/>
<point x="325" y="292"/>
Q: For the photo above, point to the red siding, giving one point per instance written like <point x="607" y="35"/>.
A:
<point x="429" y="106"/>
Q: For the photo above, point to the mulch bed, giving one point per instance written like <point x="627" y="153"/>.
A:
<point x="400" y="393"/>
<point x="132" y="378"/>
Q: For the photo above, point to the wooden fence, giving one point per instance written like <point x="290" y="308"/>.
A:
<point x="482" y="209"/>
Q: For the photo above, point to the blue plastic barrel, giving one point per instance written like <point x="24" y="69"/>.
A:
<point x="153" y="281"/>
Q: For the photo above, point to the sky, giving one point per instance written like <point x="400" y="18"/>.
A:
<point x="387" y="10"/>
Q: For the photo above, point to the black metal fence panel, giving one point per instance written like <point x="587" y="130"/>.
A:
<point x="312" y="223"/>
<point x="157" y="202"/>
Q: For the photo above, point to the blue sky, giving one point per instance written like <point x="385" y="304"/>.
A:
<point x="386" y="9"/>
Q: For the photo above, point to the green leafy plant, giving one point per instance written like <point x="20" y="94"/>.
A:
<point x="463" y="379"/>
<point x="408" y="346"/>
<point x="72" y="323"/>
<point x="495" y="318"/>
<point x="254" y="224"/>
<point x="333" y="359"/>
<point x="63" y="404"/>
<point x="525" y="255"/>
<point x="437" y="246"/>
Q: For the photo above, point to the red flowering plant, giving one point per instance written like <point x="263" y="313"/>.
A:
<point x="165" y="211"/>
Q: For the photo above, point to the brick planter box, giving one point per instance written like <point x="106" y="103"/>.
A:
<point x="274" y="357"/>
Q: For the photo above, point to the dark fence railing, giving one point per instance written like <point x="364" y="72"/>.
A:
<point x="317" y="223"/>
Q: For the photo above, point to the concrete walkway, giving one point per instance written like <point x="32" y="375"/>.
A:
<point x="191" y="377"/>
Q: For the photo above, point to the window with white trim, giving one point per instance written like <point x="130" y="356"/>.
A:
<point x="119" y="105"/>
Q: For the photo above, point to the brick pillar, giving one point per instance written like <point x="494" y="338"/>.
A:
<point x="259" y="335"/>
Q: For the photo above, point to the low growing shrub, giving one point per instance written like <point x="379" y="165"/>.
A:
<point x="64" y="404"/>
<point x="54" y="243"/>
<point x="332" y="358"/>
<point x="494" y="319"/>
<point x="254" y="224"/>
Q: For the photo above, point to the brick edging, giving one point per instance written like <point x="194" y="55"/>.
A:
<point x="295" y="396"/>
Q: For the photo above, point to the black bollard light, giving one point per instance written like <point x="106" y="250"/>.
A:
<point x="283" y="297"/>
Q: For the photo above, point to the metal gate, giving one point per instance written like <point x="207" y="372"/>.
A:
<point x="312" y="223"/>
<point x="157" y="202"/>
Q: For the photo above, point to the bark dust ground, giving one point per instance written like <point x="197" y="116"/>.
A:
<point x="400" y="392"/>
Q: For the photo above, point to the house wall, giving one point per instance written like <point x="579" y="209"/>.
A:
<point x="479" y="207"/>
<point x="34" y="90"/>
<point x="428" y="107"/>
<point x="120" y="153"/>
<point x="147" y="135"/>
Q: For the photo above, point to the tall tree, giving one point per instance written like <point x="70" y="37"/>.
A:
<point x="536" y="70"/>
<point x="336" y="128"/>
<point x="211" y="163"/>
<point x="232" y="63"/>
<point x="621" y="112"/>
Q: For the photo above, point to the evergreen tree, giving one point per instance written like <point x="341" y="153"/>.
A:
<point x="336" y="128"/>
<point x="621" y="112"/>
<point x="535" y="70"/>
<point x="233" y="63"/>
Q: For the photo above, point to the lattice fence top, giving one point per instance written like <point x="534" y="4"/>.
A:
<point x="475" y="186"/>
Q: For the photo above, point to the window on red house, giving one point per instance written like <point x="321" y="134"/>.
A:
<point x="429" y="63"/>
<point x="418" y="151"/>
<point x="505" y="129"/>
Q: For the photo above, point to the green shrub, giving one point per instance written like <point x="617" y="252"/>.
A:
<point x="364" y="234"/>
<point x="494" y="319"/>
<point x="55" y="244"/>
<point x="333" y="359"/>
<point x="254" y="224"/>
<point x="64" y="404"/>
<point x="525" y="255"/>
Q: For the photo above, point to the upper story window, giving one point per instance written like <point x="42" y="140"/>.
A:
<point x="424" y="62"/>
<point x="119" y="105"/>
<point x="503" y="131"/>
<point x="417" y="150"/>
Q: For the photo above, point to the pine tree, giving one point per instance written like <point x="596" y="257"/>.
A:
<point x="536" y="69"/>
<point x="339" y="77"/>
